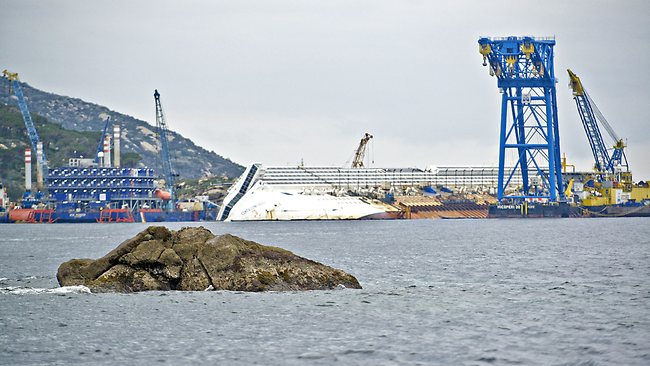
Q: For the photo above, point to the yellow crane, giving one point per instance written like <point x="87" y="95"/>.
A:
<point x="361" y="151"/>
<point x="592" y="121"/>
<point x="10" y="75"/>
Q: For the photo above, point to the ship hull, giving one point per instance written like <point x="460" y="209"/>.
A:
<point x="96" y="216"/>
<point x="614" y="211"/>
<point x="529" y="210"/>
<point x="263" y="205"/>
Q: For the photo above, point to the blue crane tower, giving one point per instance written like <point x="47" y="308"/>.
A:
<point x="35" y="140"/>
<point x="166" y="162"/>
<point x="591" y="117"/>
<point x="525" y="75"/>
<point x="100" y="146"/>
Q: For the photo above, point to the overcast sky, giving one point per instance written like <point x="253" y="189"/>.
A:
<point x="278" y="82"/>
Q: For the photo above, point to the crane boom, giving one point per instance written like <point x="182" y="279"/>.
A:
<point x="27" y="117"/>
<point x="35" y="140"/>
<point x="100" y="146"/>
<point x="591" y="118"/>
<point x="166" y="163"/>
<point x="601" y="119"/>
<point x="361" y="151"/>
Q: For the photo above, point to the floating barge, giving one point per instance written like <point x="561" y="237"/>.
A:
<point x="531" y="210"/>
<point x="108" y="195"/>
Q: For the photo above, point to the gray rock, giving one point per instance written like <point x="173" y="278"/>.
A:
<point x="193" y="259"/>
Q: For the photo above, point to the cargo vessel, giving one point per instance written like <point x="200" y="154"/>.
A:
<point x="103" y="215"/>
<point x="612" y="198"/>
<point x="587" y="195"/>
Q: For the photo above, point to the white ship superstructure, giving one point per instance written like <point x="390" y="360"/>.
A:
<point x="311" y="193"/>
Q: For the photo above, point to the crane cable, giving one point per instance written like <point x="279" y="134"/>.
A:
<point x="602" y="119"/>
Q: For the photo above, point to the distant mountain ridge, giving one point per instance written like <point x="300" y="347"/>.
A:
<point x="188" y="159"/>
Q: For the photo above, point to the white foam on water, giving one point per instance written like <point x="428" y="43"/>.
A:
<point x="57" y="290"/>
<point x="2" y="279"/>
<point x="80" y="289"/>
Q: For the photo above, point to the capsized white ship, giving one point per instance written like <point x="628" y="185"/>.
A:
<point x="333" y="193"/>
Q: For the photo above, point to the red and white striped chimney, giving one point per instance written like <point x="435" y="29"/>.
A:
<point x="116" y="146"/>
<point x="28" y="169"/>
<point x="107" y="151"/>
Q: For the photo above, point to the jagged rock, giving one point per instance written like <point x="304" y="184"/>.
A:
<point x="193" y="259"/>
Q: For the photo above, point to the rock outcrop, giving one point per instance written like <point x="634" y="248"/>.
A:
<point x="194" y="259"/>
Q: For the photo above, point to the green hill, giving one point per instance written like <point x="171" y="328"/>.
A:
<point x="188" y="159"/>
<point x="60" y="144"/>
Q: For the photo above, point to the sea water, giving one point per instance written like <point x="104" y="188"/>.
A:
<point x="435" y="292"/>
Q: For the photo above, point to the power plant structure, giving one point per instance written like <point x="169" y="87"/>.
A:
<point x="99" y="189"/>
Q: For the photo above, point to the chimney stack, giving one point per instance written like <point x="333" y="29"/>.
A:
<point x="28" y="169"/>
<point x="116" y="145"/>
<point x="107" y="151"/>
<point x="39" y="166"/>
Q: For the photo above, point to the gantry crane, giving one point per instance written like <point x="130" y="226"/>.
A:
<point x="361" y="151"/>
<point x="591" y="117"/>
<point x="35" y="140"/>
<point x="161" y="131"/>
<point x="525" y="75"/>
